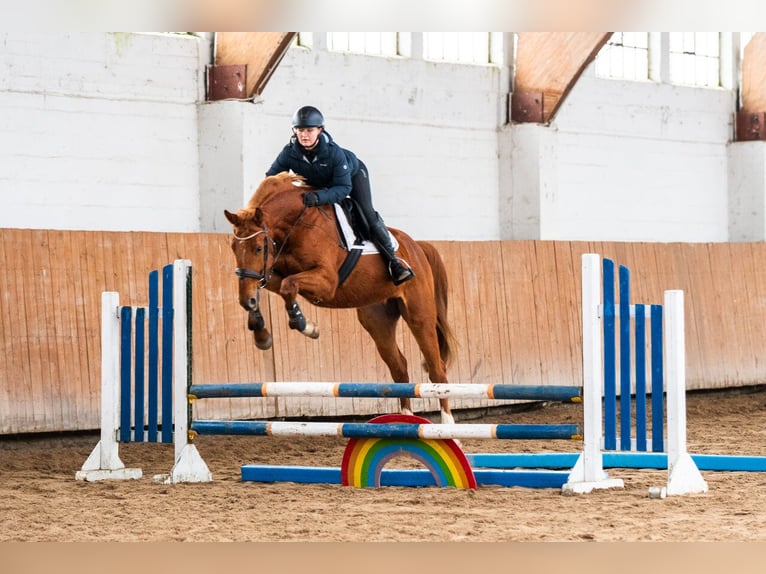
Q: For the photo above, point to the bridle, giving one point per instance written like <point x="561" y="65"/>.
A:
<point x="264" y="276"/>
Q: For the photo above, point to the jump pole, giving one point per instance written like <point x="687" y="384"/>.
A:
<point x="587" y="473"/>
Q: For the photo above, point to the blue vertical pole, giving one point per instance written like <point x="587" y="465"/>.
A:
<point x="640" y="339"/>
<point x="658" y="384"/>
<point x="625" y="410"/>
<point x="153" y="391"/>
<point x="167" y="354"/>
<point x="138" y="394"/>
<point x="610" y="383"/>
<point x="126" y="316"/>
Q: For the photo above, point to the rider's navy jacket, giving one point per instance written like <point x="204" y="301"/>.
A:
<point x="329" y="170"/>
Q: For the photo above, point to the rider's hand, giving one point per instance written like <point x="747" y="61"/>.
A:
<point x="310" y="199"/>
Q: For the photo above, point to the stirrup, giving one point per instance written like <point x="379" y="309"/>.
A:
<point x="404" y="273"/>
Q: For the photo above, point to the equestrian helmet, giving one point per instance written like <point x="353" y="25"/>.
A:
<point x="308" y="117"/>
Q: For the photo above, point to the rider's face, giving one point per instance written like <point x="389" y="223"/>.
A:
<point x="307" y="137"/>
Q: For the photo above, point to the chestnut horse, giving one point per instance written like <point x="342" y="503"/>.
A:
<point x="293" y="250"/>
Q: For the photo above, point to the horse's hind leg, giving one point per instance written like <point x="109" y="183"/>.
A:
<point x="380" y="322"/>
<point x="422" y="324"/>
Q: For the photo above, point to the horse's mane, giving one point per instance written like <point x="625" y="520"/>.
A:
<point x="275" y="185"/>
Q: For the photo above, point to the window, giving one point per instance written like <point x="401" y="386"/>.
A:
<point x="695" y="58"/>
<point x="305" y="39"/>
<point x="624" y="56"/>
<point x="370" y="43"/>
<point x="459" y="47"/>
<point x="688" y="58"/>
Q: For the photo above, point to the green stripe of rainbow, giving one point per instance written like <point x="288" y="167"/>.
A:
<point x="364" y="458"/>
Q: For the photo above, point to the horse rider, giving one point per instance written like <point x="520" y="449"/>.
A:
<point x="335" y="173"/>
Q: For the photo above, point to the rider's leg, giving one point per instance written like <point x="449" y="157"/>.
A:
<point x="378" y="232"/>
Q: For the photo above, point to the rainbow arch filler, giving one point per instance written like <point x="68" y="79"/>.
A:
<point x="364" y="458"/>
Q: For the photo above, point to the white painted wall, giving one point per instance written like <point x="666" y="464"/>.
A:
<point x="111" y="131"/>
<point x="626" y="161"/>
<point x="99" y="130"/>
<point x="747" y="191"/>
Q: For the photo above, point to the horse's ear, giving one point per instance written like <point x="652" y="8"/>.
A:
<point x="233" y="218"/>
<point x="258" y="216"/>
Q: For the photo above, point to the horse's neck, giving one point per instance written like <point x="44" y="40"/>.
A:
<point x="314" y="225"/>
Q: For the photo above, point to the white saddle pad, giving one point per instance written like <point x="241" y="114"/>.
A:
<point x="348" y="234"/>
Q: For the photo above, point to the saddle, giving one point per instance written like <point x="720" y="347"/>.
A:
<point x="354" y="232"/>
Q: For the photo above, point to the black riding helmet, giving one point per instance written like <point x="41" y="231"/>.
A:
<point x="308" y="117"/>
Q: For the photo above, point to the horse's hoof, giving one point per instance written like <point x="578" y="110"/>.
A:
<point x="264" y="345"/>
<point x="311" y="331"/>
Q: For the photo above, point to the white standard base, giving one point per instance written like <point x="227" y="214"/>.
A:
<point x="583" y="487"/>
<point x="104" y="464"/>
<point x="190" y="467"/>
<point x="119" y="474"/>
<point x="582" y="482"/>
<point x="684" y="477"/>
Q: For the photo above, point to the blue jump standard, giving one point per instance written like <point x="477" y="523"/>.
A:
<point x="390" y="390"/>
<point x="712" y="462"/>
<point x="393" y="430"/>
<point x="403" y="477"/>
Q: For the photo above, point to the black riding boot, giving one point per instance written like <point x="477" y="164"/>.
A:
<point x="396" y="268"/>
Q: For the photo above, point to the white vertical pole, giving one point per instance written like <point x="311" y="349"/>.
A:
<point x="588" y="472"/>
<point x="683" y="475"/>
<point x="104" y="461"/>
<point x="110" y="379"/>
<point x="593" y="371"/>
<point x="675" y="342"/>
<point x="181" y="274"/>
<point x="189" y="465"/>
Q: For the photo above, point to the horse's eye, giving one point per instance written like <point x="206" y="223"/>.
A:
<point x="258" y="249"/>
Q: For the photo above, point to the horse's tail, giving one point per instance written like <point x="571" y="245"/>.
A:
<point x="447" y="340"/>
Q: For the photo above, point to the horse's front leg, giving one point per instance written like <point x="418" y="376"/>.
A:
<point x="250" y="300"/>
<point x="299" y="322"/>
<point x="257" y="325"/>
<point x="314" y="285"/>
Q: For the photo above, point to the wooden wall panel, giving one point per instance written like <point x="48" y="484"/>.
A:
<point x="514" y="307"/>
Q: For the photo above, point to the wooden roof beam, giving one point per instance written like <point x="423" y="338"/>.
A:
<point x="547" y="66"/>
<point x="751" y="119"/>
<point x="245" y="61"/>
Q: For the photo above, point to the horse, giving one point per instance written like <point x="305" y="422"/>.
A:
<point x="289" y="249"/>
